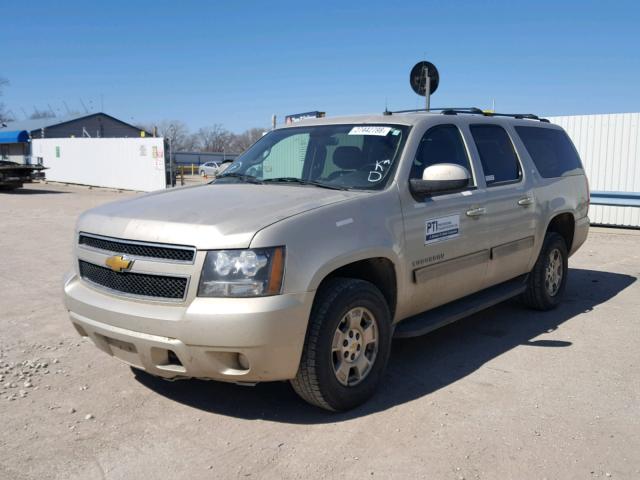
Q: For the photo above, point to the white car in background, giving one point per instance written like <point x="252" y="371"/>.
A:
<point x="209" y="169"/>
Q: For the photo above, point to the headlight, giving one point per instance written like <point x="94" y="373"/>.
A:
<point x="242" y="273"/>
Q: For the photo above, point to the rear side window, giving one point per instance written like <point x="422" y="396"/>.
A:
<point x="550" y="149"/>
<point x="499" y="160"/>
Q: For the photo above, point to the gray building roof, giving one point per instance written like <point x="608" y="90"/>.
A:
<point x="32" y="125"/>
<point x="38" y="123"/>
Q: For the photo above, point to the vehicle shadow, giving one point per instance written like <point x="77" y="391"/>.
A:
<point x="418" y="366"/>
<point x="30" y="191"/>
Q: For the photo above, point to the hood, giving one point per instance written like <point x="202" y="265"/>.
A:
<point x="206" y="216"/>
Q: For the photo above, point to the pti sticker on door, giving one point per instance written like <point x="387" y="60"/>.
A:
<point x="443" y="228"/>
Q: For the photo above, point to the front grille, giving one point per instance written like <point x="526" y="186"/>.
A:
<point x="139" y="249"/>
<point x="139" y="284"/>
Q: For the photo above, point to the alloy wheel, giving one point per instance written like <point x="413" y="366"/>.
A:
<point x="354" y="346"/>
<point x="554" y="272"/>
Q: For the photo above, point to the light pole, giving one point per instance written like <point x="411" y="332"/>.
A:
<point x="172" y="131"/>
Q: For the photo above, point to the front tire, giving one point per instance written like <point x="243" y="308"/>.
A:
<point x="548" y="279"/>
<point x="347" y="345"/>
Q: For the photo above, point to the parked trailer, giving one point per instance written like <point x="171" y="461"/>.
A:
<point x="124" y="163"/>
<point x="14" y="175"/>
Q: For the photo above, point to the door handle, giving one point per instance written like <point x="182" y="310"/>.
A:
<point x="476" y="212"/>
<point x="525" y="201"/>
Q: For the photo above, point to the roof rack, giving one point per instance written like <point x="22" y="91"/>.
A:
<point x="469" y="110"/>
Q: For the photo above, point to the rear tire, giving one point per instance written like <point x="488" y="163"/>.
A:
<point x="548" y="279"/>
<point x="347" y="345"/>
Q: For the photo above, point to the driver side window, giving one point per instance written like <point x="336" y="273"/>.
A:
<point x="440" y="144"/>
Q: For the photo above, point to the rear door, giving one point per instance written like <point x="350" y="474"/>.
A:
<point x="509" y="204"/>
<point x="444" y="244"/>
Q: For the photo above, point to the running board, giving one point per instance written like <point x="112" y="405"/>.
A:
<point x="440" y="316"/>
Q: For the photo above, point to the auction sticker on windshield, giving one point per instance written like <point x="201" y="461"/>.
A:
<point x="370" y="130"/>
<point x="442" y="228"/>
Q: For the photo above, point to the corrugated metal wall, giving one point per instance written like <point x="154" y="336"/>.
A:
<point x="609" y="146"/>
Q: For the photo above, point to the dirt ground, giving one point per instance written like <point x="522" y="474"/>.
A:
<point x="505" y="394"/>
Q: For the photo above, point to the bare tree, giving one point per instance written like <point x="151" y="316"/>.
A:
<point x="245" y="139"/>
<point x="175" y="130"/>
<point x="191" y="143"/>
<point x="214" y="138"/>
<point x="41" y="114"/>
<point x="4" y="114"/>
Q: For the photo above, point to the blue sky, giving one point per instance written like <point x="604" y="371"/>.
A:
<point x="237" y="63"/>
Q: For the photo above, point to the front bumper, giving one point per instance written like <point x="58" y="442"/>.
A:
<point x="228" y="339"/>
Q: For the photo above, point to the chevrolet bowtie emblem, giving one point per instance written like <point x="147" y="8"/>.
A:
<point x="119" y="263"/>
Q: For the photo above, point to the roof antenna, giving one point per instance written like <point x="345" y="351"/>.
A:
<point x="386" y="106"/>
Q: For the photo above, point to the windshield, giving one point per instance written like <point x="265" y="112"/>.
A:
<point x="338" y="156"/>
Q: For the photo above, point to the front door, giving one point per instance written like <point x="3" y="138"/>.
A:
<point x="444" y="241"/>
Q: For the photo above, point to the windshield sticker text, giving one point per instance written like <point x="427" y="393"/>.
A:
<point x="442" y="228"/>
<point x="370" y="130"/>
<point x="377" y="173"/>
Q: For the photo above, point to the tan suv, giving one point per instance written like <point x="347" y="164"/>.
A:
<point x="326" y="239"/>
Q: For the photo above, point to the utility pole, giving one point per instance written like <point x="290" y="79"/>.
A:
<point x="172" y="132"/>
<point x="170" y="166"/>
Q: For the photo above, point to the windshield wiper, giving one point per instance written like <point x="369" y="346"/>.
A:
<point x="242" y="177"/>
<point x="301" y="181"/>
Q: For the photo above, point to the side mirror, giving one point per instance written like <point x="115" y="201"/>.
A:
<point x="440" y="178"/>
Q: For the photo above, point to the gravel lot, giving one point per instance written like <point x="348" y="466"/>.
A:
<point x="507" y="393"/>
